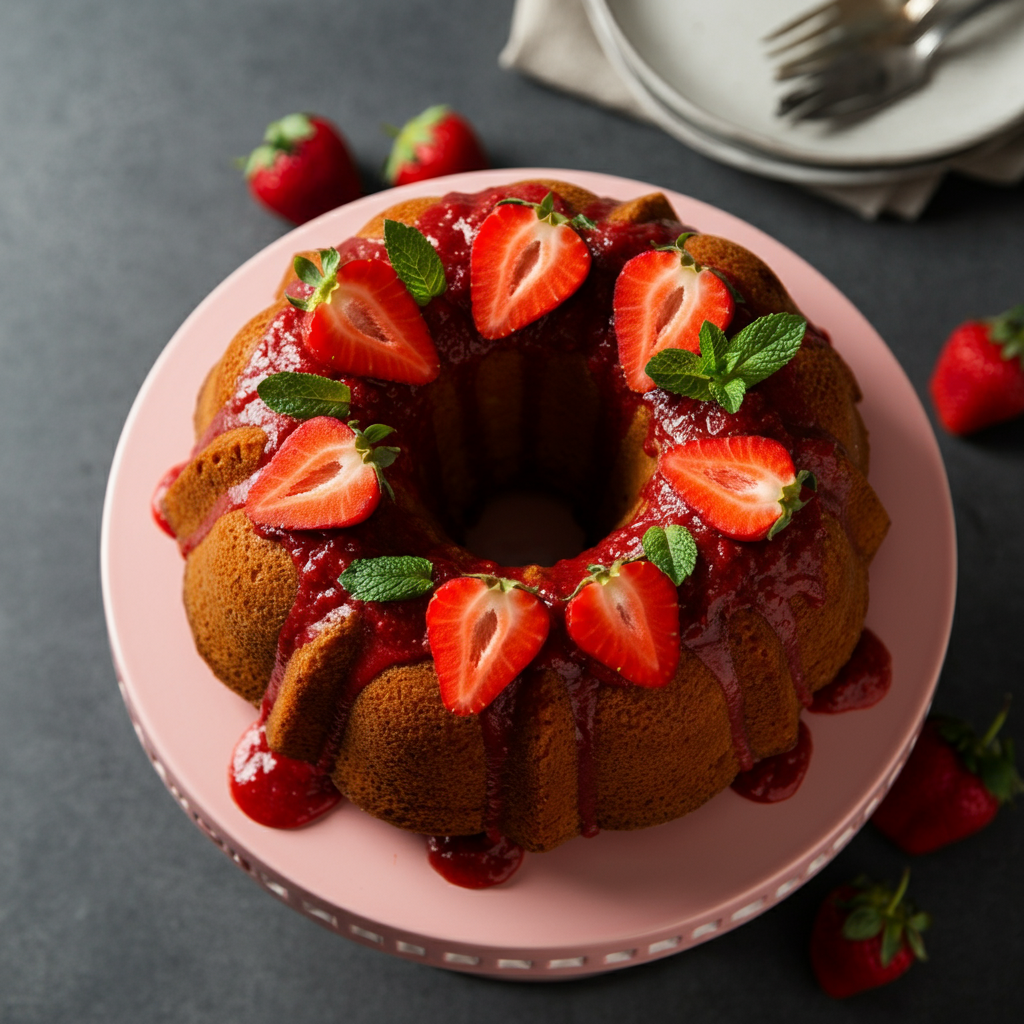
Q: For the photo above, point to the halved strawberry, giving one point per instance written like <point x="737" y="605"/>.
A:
<point x="745" y="486"/>
<point x="327" y="474"/>
<point x="483" y="632"/>
<point x="363" y="320"/>
<point x="526" y="260"/>
<point x="627" y="617"/>
<point x="662" y="298"/>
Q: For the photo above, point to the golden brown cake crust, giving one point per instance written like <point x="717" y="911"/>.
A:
<point x="227" y="460"/>
<point x="239" y="589"/>
<point x="658" y="753"/>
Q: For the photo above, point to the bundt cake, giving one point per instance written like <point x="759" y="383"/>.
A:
<point x="550" y="340"/>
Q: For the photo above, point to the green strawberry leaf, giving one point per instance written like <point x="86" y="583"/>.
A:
<point x="1007" y="331"/>
<point x="672" y="550"/>
<point x="380" y="457"/>
<point x="415" y="261"/>
<point x="863" y="923"/>
<point x="415" y="133"/>
<point x="726" y="368"/>
<point x="545" y="210"/>
<point x="322" y="281"/>
<point x="388" y="578"/>
<point x="892" y="940"/>
<point x="305" y="395"/>
<point x="915" y="941"/>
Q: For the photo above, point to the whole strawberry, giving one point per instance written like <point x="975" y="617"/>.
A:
<point x="866" y="935"/>
<point x="302" y="169"/>
<point x="436" y="142"/>
<point x="951" y="786"/>
<point x="979" y="377"/>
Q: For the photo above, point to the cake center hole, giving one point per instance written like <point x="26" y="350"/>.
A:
<point x="526" y="528"/>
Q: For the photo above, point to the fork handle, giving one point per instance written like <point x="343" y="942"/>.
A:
<point x="933" y="36"/>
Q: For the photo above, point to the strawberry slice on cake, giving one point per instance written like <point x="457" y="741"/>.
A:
<point x="527" y="258"/>
<point x="326" y="475"/>
<point x="363" y="321"/>
<point x="662" y="299"/>
<point x="627" y="617"/>
<point x="744" y="486"/>
<point x="483" y="632"/>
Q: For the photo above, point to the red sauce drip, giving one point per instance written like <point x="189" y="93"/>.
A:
<point x="474" y="862"/>
<point x="777" y="778"/>
<point x="276" y="790"/>
<point x="731" y="576"/>
<point x="156" y="504"/>
<point x="496" y="722"/>
<point x="862" y="682"/>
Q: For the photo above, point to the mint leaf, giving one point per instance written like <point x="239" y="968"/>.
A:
<point x="713" y="347"/>
<point x="415" y="261"/>
<point x="679" y="371"/>
<point x="764" y="346"/>
<point x="672" y="550"/>
<point x="388" y="578"/>
<point x="728" y="395"/>
<point x="726" y="368"/>
<point x="305" y="395"/>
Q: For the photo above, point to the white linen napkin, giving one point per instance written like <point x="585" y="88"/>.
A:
<point x="552" y="41"/>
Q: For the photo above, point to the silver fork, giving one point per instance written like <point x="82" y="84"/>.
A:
<point x="861" y="80"/>
<point x="840" y="25"/>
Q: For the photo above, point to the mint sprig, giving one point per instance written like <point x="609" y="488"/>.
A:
<point x="388" y="578"/>
<point x="672" y="549"/>
<point x="305" y="395"/>
<point x="322" y="281"/>
<point x="546" y="211"/>
<point x="381" y="456"/>
<point x="415" y="260"/>
<point x="726" y="368"/>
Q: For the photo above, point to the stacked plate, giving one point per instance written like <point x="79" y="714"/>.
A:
<point x="701" y="71"/>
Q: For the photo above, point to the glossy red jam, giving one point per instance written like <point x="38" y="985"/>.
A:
<point x="276" y="790"/>
<point x="474" y="862"/>
<point x="777" y="778"/>
<point x="861" y="683"/>
<point x="730" y="575"/>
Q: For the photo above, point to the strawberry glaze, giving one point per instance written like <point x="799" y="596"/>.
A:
<point x="777" y="778"/>
<point x="275" y="790"/>
<point x="862" y="682"/>
<point x="730" y="575"/>
<point x="474" y="862"/>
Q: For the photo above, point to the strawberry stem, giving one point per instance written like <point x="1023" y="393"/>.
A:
<point x="901" y="891"/>
<point x="379" y="457"/>
<point x="323" y="279"/>
<point x="546" y="212"/>
<point x="1000" y="720"/>
<point x="501" y="583"/>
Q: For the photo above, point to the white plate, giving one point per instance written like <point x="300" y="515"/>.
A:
<point x="707" y="63"/>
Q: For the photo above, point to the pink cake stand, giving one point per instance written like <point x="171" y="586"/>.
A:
<point x="593" y="905"/>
